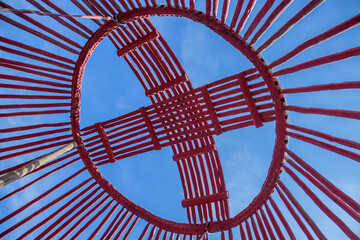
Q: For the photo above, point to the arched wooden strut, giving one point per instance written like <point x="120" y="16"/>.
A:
<point x="36" y="81"/>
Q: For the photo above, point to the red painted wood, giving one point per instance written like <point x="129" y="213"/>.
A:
<point x="326" y="146"/>
<point x="289" y="24"/>
<point x="351" y="202"/>
<point x="255" y="228"/>
<point x="323" y="87"/>
<point x="327" y="112"/>
<point x="344" y="227"/>
<point x="86" y="215"/>
<point x="60" y="20"/>
<point x="168" y="85"/>
<point x="137" y="43"/>
<point x="294" y="214"/>
<point x="112" y="224"/>
<point x="270" y="20"/>
<point x="250" y="102"/>
<point x="105" y="141"/>
<point x="43" y="27"/>
<point x="250" y="6"/>
<point x="266" y="7"/>
<point x="130" y="228"/>
<point x="29" y="68"/>
<point x="267" y="224"/>
<point x="206" y="199"/>
<point x="242" y="233"/>
<point x="39" y="51"/>
<point x="261" y="226"/>
<point x="248" y="230"/>
<point x="88" y="223"/>
<point x="194" y="152"/>
<point x="274" y="222"/>
<point x="302" y="211"/>
<point x="105" y="219"/>
<point x="337" y="200"/>
<point x="282" y="219"/>
<point x="218" y="180"/>
<point x="60" y="209"/>
<point x="320" y="61"/>
<point x="61" y="11"/>
<point x="65" y="215"/>
<point x="211" y="110"/>
<point x="225" y="10"/>
<point x="352" y="22"/>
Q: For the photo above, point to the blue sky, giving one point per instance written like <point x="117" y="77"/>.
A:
<point x="151" y="180"/>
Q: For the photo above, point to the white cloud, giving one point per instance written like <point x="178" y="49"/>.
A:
<point x="197" y="56"/>
<point x="244" y="179"/>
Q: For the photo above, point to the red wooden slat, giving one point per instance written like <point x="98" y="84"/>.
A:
<point x="320" y="61"/>
<point x="326" y="146"/>
<point x="59" y="210"/>
<point x="282" y="219"/>
<point x="302" y="211"/>
<point x="289" y="24"/>
<point x="337" y="200"/>
<point x="268" y="4"/>
<point x="351" y="202"/>
<point x="323" y="87"/>
<point x="352" y="22"/>
<point x="105" y="219"/>
<point x="274" y="222"/>
<point x="344" y="227"/>
<point x="270" y="20"/>
<point x="245" y="16"/>
<point x="294" y="214"/>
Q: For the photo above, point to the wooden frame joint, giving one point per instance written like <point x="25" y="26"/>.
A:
<point x="255" y="115"/>
<point x="137" y="43"/>
<point x="150" y="128"/>
<point x="105" y="141"/>
<point x="194" y="152"/>
<point x="175" y="82"/>
<point x="206" y="199"/>
<point x="211" y="109"/>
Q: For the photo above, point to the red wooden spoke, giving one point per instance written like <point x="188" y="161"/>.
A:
<point x="321" y="61"/>
<point x="72" y="19"/>
<point x="351" y="202"/>
<point x="320" y="38"/>
<point x="260" y="225"/>
<point x="42" y="209"/>
<point x="322" y="206"/>
<point x="66" y="24"/>
<point x="242" y="233"/>
<point x="282" y="219"/>
<point x="84" y="216"/>
<point x="59" y="210"/>
<point x="108" y="215"/>
<point x="305" y="215"/>
<point x="248" y="230"/>
<point x="350" y="211"/>
<point x="326" y="146"/>
<point x="258" y="18"/>
<point x="245" y="16"/>
<point x="29" y="68"/>
<point x="269" y="21"/>
<point x="267" y="224"/>
<point x="295" y="215"/>
<point x="38" y="34"/>
<point x="274" y="222"/>
<point x="38" y="51"/>
<point x="36" y="81"/>
<point x="288" y="25"/>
